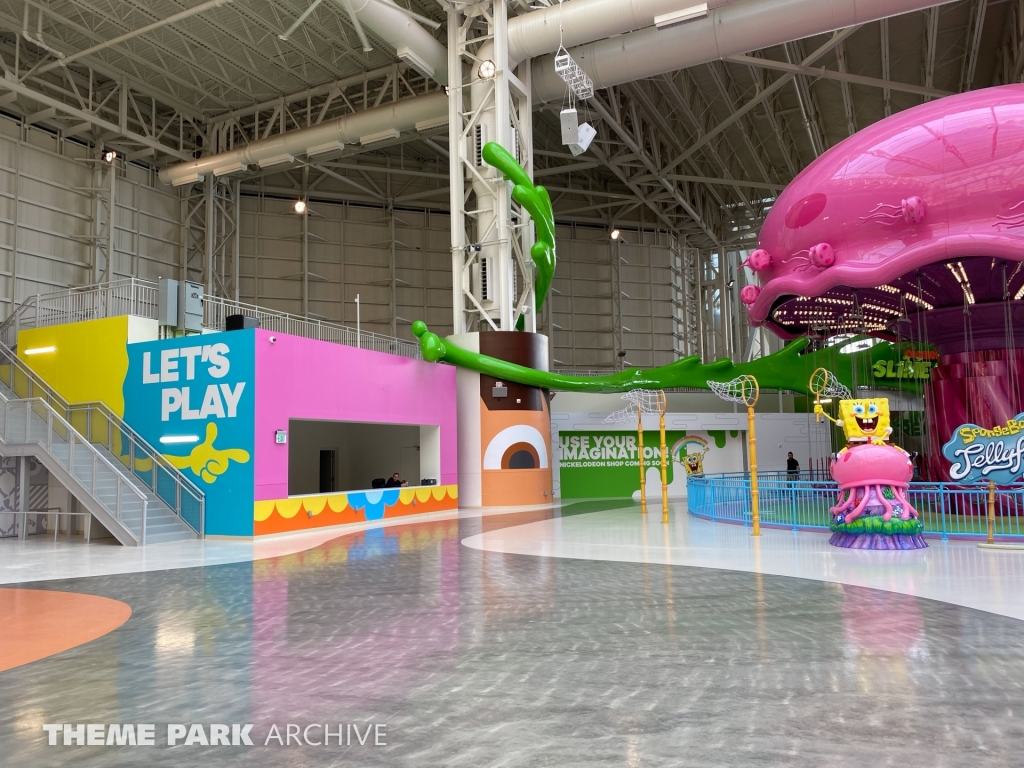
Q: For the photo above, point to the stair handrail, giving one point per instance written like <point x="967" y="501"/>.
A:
<point x="160" y="462"/>
<point x="54" y="416"/>
<point x="13" y="322"/>
<point x="182" y="484"/>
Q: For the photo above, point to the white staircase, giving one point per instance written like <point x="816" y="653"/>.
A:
<point x="126" y="484"/>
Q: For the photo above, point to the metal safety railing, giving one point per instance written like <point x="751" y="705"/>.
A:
<point x="35" y="421"/>
<point x="72" y="305"/>
<point x="133" y="296"/>
<point x="216" y="310"/>
<point x="99" y="426"/>
<point x="946" y="509"/>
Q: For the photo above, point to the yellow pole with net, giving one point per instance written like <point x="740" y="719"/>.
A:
<point x="745" y="390"/>
<point x="991" y="512"/>
<point x="662" y="407"/>
<point x="755" y="513"/>
<point x="640" y="456"/>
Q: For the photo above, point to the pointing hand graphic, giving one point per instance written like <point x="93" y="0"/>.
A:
<point x="206" y="461"/>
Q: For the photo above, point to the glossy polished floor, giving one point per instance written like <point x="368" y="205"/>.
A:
<point x="488" y="658"/>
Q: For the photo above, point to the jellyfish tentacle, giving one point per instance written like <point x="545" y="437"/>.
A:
<point x="887" y="515"/>
<point x="862" y="504"/>
<point x="844" y="504"/>
<point x="908" y="510"/>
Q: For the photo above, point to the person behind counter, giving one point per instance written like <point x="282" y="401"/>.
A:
<point x="395" y="482"/>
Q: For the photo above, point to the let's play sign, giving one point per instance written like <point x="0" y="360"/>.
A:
<point x="996" y="454"/>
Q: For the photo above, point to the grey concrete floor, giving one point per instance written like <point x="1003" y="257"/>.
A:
<point x="480" y="659"/>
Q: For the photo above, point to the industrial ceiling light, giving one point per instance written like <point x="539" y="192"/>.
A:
<point x="109" y="156"/>
<point x="300" y="206"/>
<point x="486" y="70"/>
<point x="615" y="234"/>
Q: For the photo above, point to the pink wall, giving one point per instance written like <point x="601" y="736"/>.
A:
<point x="301" y="378"/>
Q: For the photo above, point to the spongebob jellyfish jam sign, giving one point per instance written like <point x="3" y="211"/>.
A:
<point x="987" y="454"/>
<point x="192" y="399"/>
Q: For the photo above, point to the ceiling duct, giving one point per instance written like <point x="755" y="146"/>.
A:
<point x="734" y="28"/>
<point x="727" y="30"/>
<point x="399" y="29"/>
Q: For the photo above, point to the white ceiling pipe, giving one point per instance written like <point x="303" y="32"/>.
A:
<point x="396" y="28"/>
<point x="736" y="28"/>
<point x="726" y="31"/>
<point x="583" y="21"/>
<point x="401" y="116"/>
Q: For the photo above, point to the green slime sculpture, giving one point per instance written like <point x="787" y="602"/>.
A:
<point x="536" y="200"/>
<point x="786" y="369"/>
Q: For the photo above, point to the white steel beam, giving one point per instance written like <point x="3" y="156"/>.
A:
<point x="841" y="76"/>
<point x="835" y="40"/>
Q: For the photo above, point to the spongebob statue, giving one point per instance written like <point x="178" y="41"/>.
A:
<point x="693" y="463"/>
<point x="863" y="421"/>
<point x="874" y="477"/>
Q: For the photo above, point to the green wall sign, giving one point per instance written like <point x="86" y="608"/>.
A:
<point x="596" y="463"/>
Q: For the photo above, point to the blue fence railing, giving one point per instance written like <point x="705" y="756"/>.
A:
<point x="946" y="509"/>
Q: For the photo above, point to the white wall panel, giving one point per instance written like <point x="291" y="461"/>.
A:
<point x="399" y="278"/>
<point x="47" y="210"/>
<point x="400" y="268"/>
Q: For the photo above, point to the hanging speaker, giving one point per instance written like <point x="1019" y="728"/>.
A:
<point x="570" y="126"/>
<point x="584" y="136"/>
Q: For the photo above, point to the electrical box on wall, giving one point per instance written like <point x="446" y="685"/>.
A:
<point x="167" y="302"/>
<point x="190" y="306"/>
<point x="281" y="437"/>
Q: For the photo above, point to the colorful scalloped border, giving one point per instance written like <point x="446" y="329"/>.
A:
<point x="300" y="513"/>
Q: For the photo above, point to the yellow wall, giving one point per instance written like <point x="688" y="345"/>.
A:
<point x="90" y="361"/>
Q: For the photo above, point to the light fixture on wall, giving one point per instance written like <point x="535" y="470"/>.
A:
<point x="176" y="439"/>
<point x="300" y="206"/>
<point x="487" y="69"/>
<point x="109" y="156"/>
<point x="40" y="350"/>
<point x="615" y="234"/>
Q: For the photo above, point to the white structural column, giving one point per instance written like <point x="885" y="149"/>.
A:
<point x="493" y="274"/>
<point x="103" y="221"/>
<point x="210" y="235"/>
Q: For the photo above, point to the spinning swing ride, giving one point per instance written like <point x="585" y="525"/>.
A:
<point x="913" y="230"/>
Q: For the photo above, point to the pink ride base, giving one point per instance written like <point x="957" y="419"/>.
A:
<point x="873" y="482"/>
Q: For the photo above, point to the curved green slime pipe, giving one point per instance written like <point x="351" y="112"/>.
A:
<point x="783" y="370"/>
<point x="786" y="369"/>
<point x="537" y="202"/>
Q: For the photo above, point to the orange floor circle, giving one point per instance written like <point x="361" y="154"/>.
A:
<point x="39" y="623"/>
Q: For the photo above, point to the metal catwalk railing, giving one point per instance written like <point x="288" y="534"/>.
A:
<point x="34" y="421"/>
<point x="98" y="425"/>
<point x="946" y="509"/>
<point x="132" y="296"/>
<point x="216" y="311"/>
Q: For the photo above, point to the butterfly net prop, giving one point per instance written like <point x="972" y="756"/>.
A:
<point x="826" y="384"/>
<point x="742" y="390"/>
<point x="646" y="400"/>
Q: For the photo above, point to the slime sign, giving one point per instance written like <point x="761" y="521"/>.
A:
<point x="996" y="454"/>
